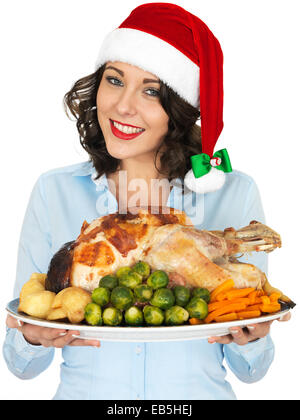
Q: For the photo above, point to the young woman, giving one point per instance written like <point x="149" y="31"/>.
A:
<point x="137" y="131"/>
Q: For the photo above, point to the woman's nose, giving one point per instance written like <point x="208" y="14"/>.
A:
<point x="126" y="103"/>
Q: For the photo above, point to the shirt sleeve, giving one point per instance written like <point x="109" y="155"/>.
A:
<point x="23" y="359"/>
<point x="251" y="362"/>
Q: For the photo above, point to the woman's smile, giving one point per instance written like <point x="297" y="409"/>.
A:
<point x="125" y="132"/>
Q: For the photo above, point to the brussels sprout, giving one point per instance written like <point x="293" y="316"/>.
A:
<point x="153" y="315"/>
<point x="201" y="293"/>
<point x="122" y="271"/>
<point x="163" y="298"/>
<point x="134" y="316"/>
<point x="101" y="295"/>
<point x="176" y="315"/>
<point x="122" y="297"/>
<point x="130" y="279"/>
<point x="143" y="292"/>
<point x="109" y="281"/>
<point x="92" y="314"/>
<point x="197" y="308"/>
<point x="112" y="316"/>
<point x="142" y="268"/>
<point x="158" y="279"/>
<point x="182" y="295"/>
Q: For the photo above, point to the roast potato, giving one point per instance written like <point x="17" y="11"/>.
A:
<point x="41" y="277"/>
<point x="58" y="313"/>
<point x="31" y="286"/>
<point x="37" y="304"/>
<point x="74" y="301"/>
<point x="57" y="303"/>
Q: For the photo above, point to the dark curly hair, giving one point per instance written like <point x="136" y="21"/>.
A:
<point x="182" y="140"/>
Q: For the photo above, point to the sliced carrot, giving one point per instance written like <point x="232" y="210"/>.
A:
<point x="274" y="297"/>
<point x="231" y="307"/>
<point x="254" y="307"/>
<point x="232" y="316"/>
<point x="222" y="296"/>
<point x="270" y="307"/>
<point x="252" y="296"/>
<point x="216" y="305"/>
<point x="245" y="300"/>
<point x="239" y="293"/>
<point x="195" y="321"/>
<point x="265" y="300"/>
<point x="248" y="314"/>
<point x="225" y="286"/>
<point x="257" y="300"/>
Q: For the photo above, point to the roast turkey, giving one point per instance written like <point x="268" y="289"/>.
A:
<point x="168" y="241"/>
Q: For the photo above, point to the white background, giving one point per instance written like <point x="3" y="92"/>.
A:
<point x="48" y="45"/>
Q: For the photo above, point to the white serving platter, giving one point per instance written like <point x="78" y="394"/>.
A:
<point x="143" y="334"/>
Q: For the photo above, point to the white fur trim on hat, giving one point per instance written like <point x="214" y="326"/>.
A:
<point x="154" y="55"/>
<point x="212" y="181"/>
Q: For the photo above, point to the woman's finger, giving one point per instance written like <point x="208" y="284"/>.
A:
<point x="84" y="342"/>
<point x="224" y="339"/>
<point x="240" y="336"/>
<point x="285" y="317"/>
<point x="259" y="330"/>
<point x="12" y="322"/>
<point x="64" y="339"/>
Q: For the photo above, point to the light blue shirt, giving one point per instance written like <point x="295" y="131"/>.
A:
<point x="60" y="201"/>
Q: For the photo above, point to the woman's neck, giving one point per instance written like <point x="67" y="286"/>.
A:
<point x="138" y="184"/>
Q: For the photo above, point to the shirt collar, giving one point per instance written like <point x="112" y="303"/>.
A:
<point x="87" y="169"/>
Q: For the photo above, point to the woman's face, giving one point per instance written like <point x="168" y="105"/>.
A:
<point x="129" y="96"/>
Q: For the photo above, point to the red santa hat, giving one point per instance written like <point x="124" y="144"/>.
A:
<point x="179" y="48"/>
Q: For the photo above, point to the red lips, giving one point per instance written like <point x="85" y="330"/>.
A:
<point x="121" y="135"/>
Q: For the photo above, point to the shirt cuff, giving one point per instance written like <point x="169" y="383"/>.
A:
<point x="253" y="349"/>
<point x="28" y="350"/>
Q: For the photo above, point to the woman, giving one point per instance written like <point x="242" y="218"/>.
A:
<point x="133" y="124"/>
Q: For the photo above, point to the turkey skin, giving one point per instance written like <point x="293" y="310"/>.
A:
<point x="168" y="241"/>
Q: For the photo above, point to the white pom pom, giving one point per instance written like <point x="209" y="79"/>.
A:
<point x="212" y="181"/>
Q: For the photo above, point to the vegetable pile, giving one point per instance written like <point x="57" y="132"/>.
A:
<point x="135" y="296"/>
<point x="229" y="304"/>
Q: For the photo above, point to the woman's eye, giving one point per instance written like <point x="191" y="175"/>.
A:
<point x="114" y="81"/>
<point x="154" y="92"/>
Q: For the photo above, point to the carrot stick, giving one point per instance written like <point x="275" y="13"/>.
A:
<point x="222" y="296"/>
<point x="271" y="307"/>
<point x="195" y="321"/>
<point x="257" y="300"/>
<point x="216" y="305"/>
<point x="232" y="316"/>
<point x="274" y="297"/>
<point x="226" y="285"/>
<point x="231" y="307"/>
<point x="265" y="300"/>
<point x="254" y="307"/>
<point x="244" y="300"/>
<point x="248" y="314"/>
<point x="239" y="293"/>
<point x="252" y="296"/>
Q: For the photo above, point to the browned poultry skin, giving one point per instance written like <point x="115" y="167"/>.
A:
<point x="167" y="241"/>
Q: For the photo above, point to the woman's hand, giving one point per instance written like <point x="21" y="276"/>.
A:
<point x="242" y="336"/>
<point x="49" y="337"/>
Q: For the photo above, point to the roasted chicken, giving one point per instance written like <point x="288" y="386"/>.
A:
<point x="168" y="241"/>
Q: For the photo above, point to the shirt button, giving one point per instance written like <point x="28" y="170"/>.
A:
<point x="138" y="349"/>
